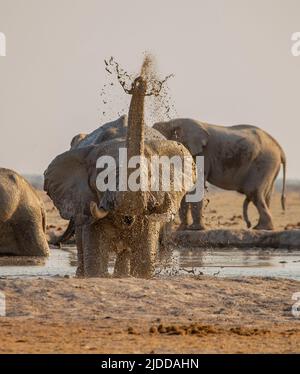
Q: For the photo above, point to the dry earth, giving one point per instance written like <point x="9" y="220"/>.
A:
<point x="182" y="315"/>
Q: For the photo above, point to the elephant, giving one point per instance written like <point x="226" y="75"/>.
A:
<point x="22" y="217"/>
<point x="125" y="221"/>
<point x="241" y="158"/>
<point x="103" y="133"/>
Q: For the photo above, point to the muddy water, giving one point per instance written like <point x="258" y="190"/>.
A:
<point x="221" y="263"/>
<point x="237" y="263"/>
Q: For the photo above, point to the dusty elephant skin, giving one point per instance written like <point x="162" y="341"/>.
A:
<point x="126" y="222"/>
<point x="22" y="217"/>
<point x="240" y="158"/>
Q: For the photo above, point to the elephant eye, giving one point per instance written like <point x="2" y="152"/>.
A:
<point x="128" y="220"/>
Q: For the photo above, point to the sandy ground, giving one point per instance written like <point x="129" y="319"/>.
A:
<point x="164" y="315"/>
<point x="178" y="315"/>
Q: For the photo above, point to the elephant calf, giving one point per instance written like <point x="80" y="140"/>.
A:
<point x="22" y="217"/>
<point x="240" y="158"/>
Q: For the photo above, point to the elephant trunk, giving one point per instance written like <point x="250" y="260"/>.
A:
<point x="135" y="202"/>
<point x="136" y="125"/>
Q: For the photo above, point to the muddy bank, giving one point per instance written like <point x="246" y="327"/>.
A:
<point x="289" y="239"/>
<point x="182" y="314"/>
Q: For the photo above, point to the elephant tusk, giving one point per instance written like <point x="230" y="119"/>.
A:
<point x="97" y="213"/>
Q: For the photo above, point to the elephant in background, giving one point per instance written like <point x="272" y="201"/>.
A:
<point x="127" y="222"/>
<point x="22" y="217"/>
<point x="241" y="158"/>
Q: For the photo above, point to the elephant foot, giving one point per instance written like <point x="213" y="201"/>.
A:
<point x="95" y="273"/>
<point x="121" y="275"/>
<point x="197" y="226"/>
<point x="122" y="265"/>
<point x="146" y="271"/>
<point x="100" y="275"/>
<point x="182" y="227"/>
<point x="79" y="273"/>
<point x="260" y="226"/>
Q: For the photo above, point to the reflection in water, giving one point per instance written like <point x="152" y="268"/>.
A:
<point x="236" y="262"/>
<point x="222" y="262"/>
<point x="263" y="254"/>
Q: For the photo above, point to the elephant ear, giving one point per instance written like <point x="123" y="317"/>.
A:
<point x="67" y="184"/>
<point x="193" y="135"/>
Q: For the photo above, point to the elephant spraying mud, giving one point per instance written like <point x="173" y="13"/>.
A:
<point x="125" y="221"/>
<point x="241" y="158"/>
<point x="22" y="217"/>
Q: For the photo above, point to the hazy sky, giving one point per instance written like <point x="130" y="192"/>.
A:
<point x="231" y="59"/>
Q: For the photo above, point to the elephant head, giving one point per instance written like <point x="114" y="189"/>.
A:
<point x="126" y="221"/>
<point x="192" y="134"/>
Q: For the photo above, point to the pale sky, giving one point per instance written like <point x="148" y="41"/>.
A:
<point x="231" y="59"/>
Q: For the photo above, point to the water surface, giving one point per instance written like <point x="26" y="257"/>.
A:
<point x="219" y="262"/>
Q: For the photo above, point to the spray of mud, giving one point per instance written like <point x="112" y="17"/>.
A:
<point x="159" y="105"/>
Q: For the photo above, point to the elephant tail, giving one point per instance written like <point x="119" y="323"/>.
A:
<point x="283" y="197"/>
<point x="245" y="212"/>
<point x="44" y="220"/>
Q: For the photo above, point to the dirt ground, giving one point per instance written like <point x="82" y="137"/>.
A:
<point x="178" y="315"/>
<point x="163" y="315"/>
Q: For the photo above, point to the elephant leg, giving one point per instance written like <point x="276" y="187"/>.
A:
<point x="29" y="235"/>
<point x="245" y="212"/>
<point x="80" y="261"/>
<point x="270" y="190"/>
<point x="183" y="214"/>
<point x="164" y="237"/>
<point x="95" y="250"/>
<point x="265" y="218"/>
<point x="122" y="264"/>
<point x="143" y="253"/>
<point x="268" y="197"/>
<point x="197" y="215"/>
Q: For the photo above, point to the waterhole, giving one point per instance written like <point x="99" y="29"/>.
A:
<point x="227" y="262"/>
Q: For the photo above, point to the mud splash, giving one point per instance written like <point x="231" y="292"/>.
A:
<point x="159" y="103"/>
